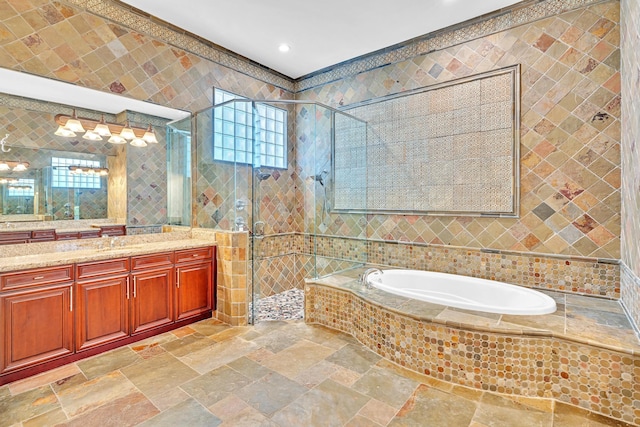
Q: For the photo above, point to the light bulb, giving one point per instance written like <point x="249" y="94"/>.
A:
<point x="150" y="136"/>
<point x="127" y="132"/>
<point x="138" y="142"/>
<point x="20" y="167"/>
<point x="64" y="132"/>
<point x="117" y="139"/>
<point x="4" y="166"/>
<point x="91" y="136"/>
<point x="102" y="130"/>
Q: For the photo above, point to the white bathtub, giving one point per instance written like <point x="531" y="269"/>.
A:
<point x="463" y="292"/>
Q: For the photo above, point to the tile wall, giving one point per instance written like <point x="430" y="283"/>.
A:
<point x="630" y="286"/>
<point x="570" y="133"/>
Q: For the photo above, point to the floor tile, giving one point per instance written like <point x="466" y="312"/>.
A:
<point x="329" y="404"/>
<point x="305" y="353"/>
<point x="27" y="405"/>
<point x="360" y="421"/>
<point x="107" y="362"/>
<point x="250" y="369"/>
<point x="45" y="378"/>
<point x="50" y="418"/>
<point x="91" y="394"/>
<point x="271" y="393"/>
<point x="219" y="354"/>
<point x="570" y="416"/>
<point x="354" y="357"/>
<point x="497" y="411"/>
<point x="249" y="417"/>
<point x="435" y="408"/>
<point x="215" y="385"/>
<point x="129" y="410"/>
<point x="188" y="413"/>
<point x="228" y="407"/>
<point x="210" y="327"/>
<point x="158" y="375"/>
<point x="316" y="374"/>
<point x="187" y="344"/>
<point x="378" y="412"/>
<point x="169" y="398"/>
<point x="386" y="386"/>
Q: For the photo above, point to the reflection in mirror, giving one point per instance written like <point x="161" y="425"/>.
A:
<point x="48" y="189"/>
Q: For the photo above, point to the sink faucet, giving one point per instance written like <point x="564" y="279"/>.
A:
<point x="112" y="242"/>
<point x="364" y="278"/>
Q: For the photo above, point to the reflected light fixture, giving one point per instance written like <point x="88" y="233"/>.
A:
<point x="73" y="124"/>
<point x="149" y="136"/>
<point x="8" y="180"/>
<point x="284" y="48"/>
<point x="5" y="165"/>
<point x="97" y="130"/>
<point x="88" y="170"/>
<point x="138" y="142"/>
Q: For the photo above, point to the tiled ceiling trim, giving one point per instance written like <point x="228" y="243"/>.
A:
<point x="518" y="14"/>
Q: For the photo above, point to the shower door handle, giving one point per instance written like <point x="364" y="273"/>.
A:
<point x="258" y="228"/>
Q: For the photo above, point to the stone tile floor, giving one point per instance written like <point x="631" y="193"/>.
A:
<point x="273" y="374"/>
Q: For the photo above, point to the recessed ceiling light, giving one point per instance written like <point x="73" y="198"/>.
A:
<point x="284" y="48"/>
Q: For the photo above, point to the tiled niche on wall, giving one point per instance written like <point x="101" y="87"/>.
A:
<point x="451" y="148"/>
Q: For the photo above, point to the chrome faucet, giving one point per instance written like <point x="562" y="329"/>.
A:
<point x="364" y="278"/>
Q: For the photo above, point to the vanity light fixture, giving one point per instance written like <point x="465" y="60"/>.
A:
<point x="5" y="165"/>
<point x="8" y="180"/>
<point x="73" y="124"/>
<point x="97" y="130"/>
<point x="87" y="170"/>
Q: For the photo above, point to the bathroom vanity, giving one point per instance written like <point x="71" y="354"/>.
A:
<point x="59" y="307"/>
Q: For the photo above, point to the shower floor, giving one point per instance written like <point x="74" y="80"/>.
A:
<point x="286" y="305"/>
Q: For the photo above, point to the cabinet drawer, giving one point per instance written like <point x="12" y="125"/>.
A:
<point x="102" y="268"/>
<point x="89" y="234"/>
<point x="151" y="261"/>
<point x="113" y="230"/>
<point x="43" y="234"/>
<point x="15" y="236"/>
<point x="66" y="235"/>
<point x="36" y="277"/>
<point x="193" y="254"/>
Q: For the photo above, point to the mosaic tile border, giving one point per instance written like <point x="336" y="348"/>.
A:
<point x="148" y="24"/>
<point x="601" y="380"/>
<point x="492" y="23"/>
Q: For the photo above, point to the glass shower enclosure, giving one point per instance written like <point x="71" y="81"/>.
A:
<point x="267" y="168"/>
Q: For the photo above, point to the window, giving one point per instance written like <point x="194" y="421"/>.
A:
<point x="23" y="187"/>
<point x="235" y="126"/>
<point x="62" y="177"/>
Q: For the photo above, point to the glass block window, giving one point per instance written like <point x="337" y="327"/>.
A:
<point x="236" y="125"/>
<point x="23" y="187"/>
<point x="61" y="176"/>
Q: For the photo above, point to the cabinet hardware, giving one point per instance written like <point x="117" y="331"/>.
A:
<point x="135" y="285"/>
<point x="38" y="278"/>
<point x="71" y="298"/>
<point x="177" y="279"/>
<point x="127" y="288"/>
<point x="194" y="255"/>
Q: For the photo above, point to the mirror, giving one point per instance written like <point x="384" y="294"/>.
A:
<point x="48" y="189"/>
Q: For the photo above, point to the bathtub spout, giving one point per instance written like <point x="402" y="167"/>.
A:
<point x="364" y="278"/>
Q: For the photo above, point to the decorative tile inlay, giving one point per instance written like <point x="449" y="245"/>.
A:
<point x="450" y="150"/>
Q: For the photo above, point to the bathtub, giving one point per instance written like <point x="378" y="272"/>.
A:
<point x="463" y="292"/>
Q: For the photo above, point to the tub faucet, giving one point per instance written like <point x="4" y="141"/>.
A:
<point x="364" y="278"/>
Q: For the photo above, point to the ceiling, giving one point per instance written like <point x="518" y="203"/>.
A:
<point x="320" y="33"/>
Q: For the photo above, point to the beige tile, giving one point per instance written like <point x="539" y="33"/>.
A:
<point x="378" y="412"/>
<point x="45" y="378"/>
<point x="304" y="352"/>
<point x="219" y="354"/>
<point x="27" y="405"/>
<point x="129" y="410"/>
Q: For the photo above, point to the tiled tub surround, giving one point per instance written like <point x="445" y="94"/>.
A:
<point x="586" y="354"/>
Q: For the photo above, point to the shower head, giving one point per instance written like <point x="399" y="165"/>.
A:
<point x="262" y="175"/>
<point x="320" y="177"/>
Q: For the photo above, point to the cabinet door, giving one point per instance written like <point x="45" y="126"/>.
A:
<point x="193" y="289"/>
<point x="37" y="326"/>
<point x="102" y="311"/>
<point x="152" y="299"/>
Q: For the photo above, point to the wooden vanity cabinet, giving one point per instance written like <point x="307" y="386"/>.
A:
<point x="42" y="236"/>
<point x="152" y="292"/>
<point x="113" y="230"/>
<point x="36" y="316"/>
<point x="102" y="302"/>
<point x="13" y="237"/>
<point x="194" y="276"/>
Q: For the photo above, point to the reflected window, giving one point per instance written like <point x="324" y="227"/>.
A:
<point x="62" y="176"/>
<point x="21" y="188"/>
<point x="235" y="126"/>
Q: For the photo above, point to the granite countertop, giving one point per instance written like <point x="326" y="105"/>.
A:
<point x="70" y="252"/>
